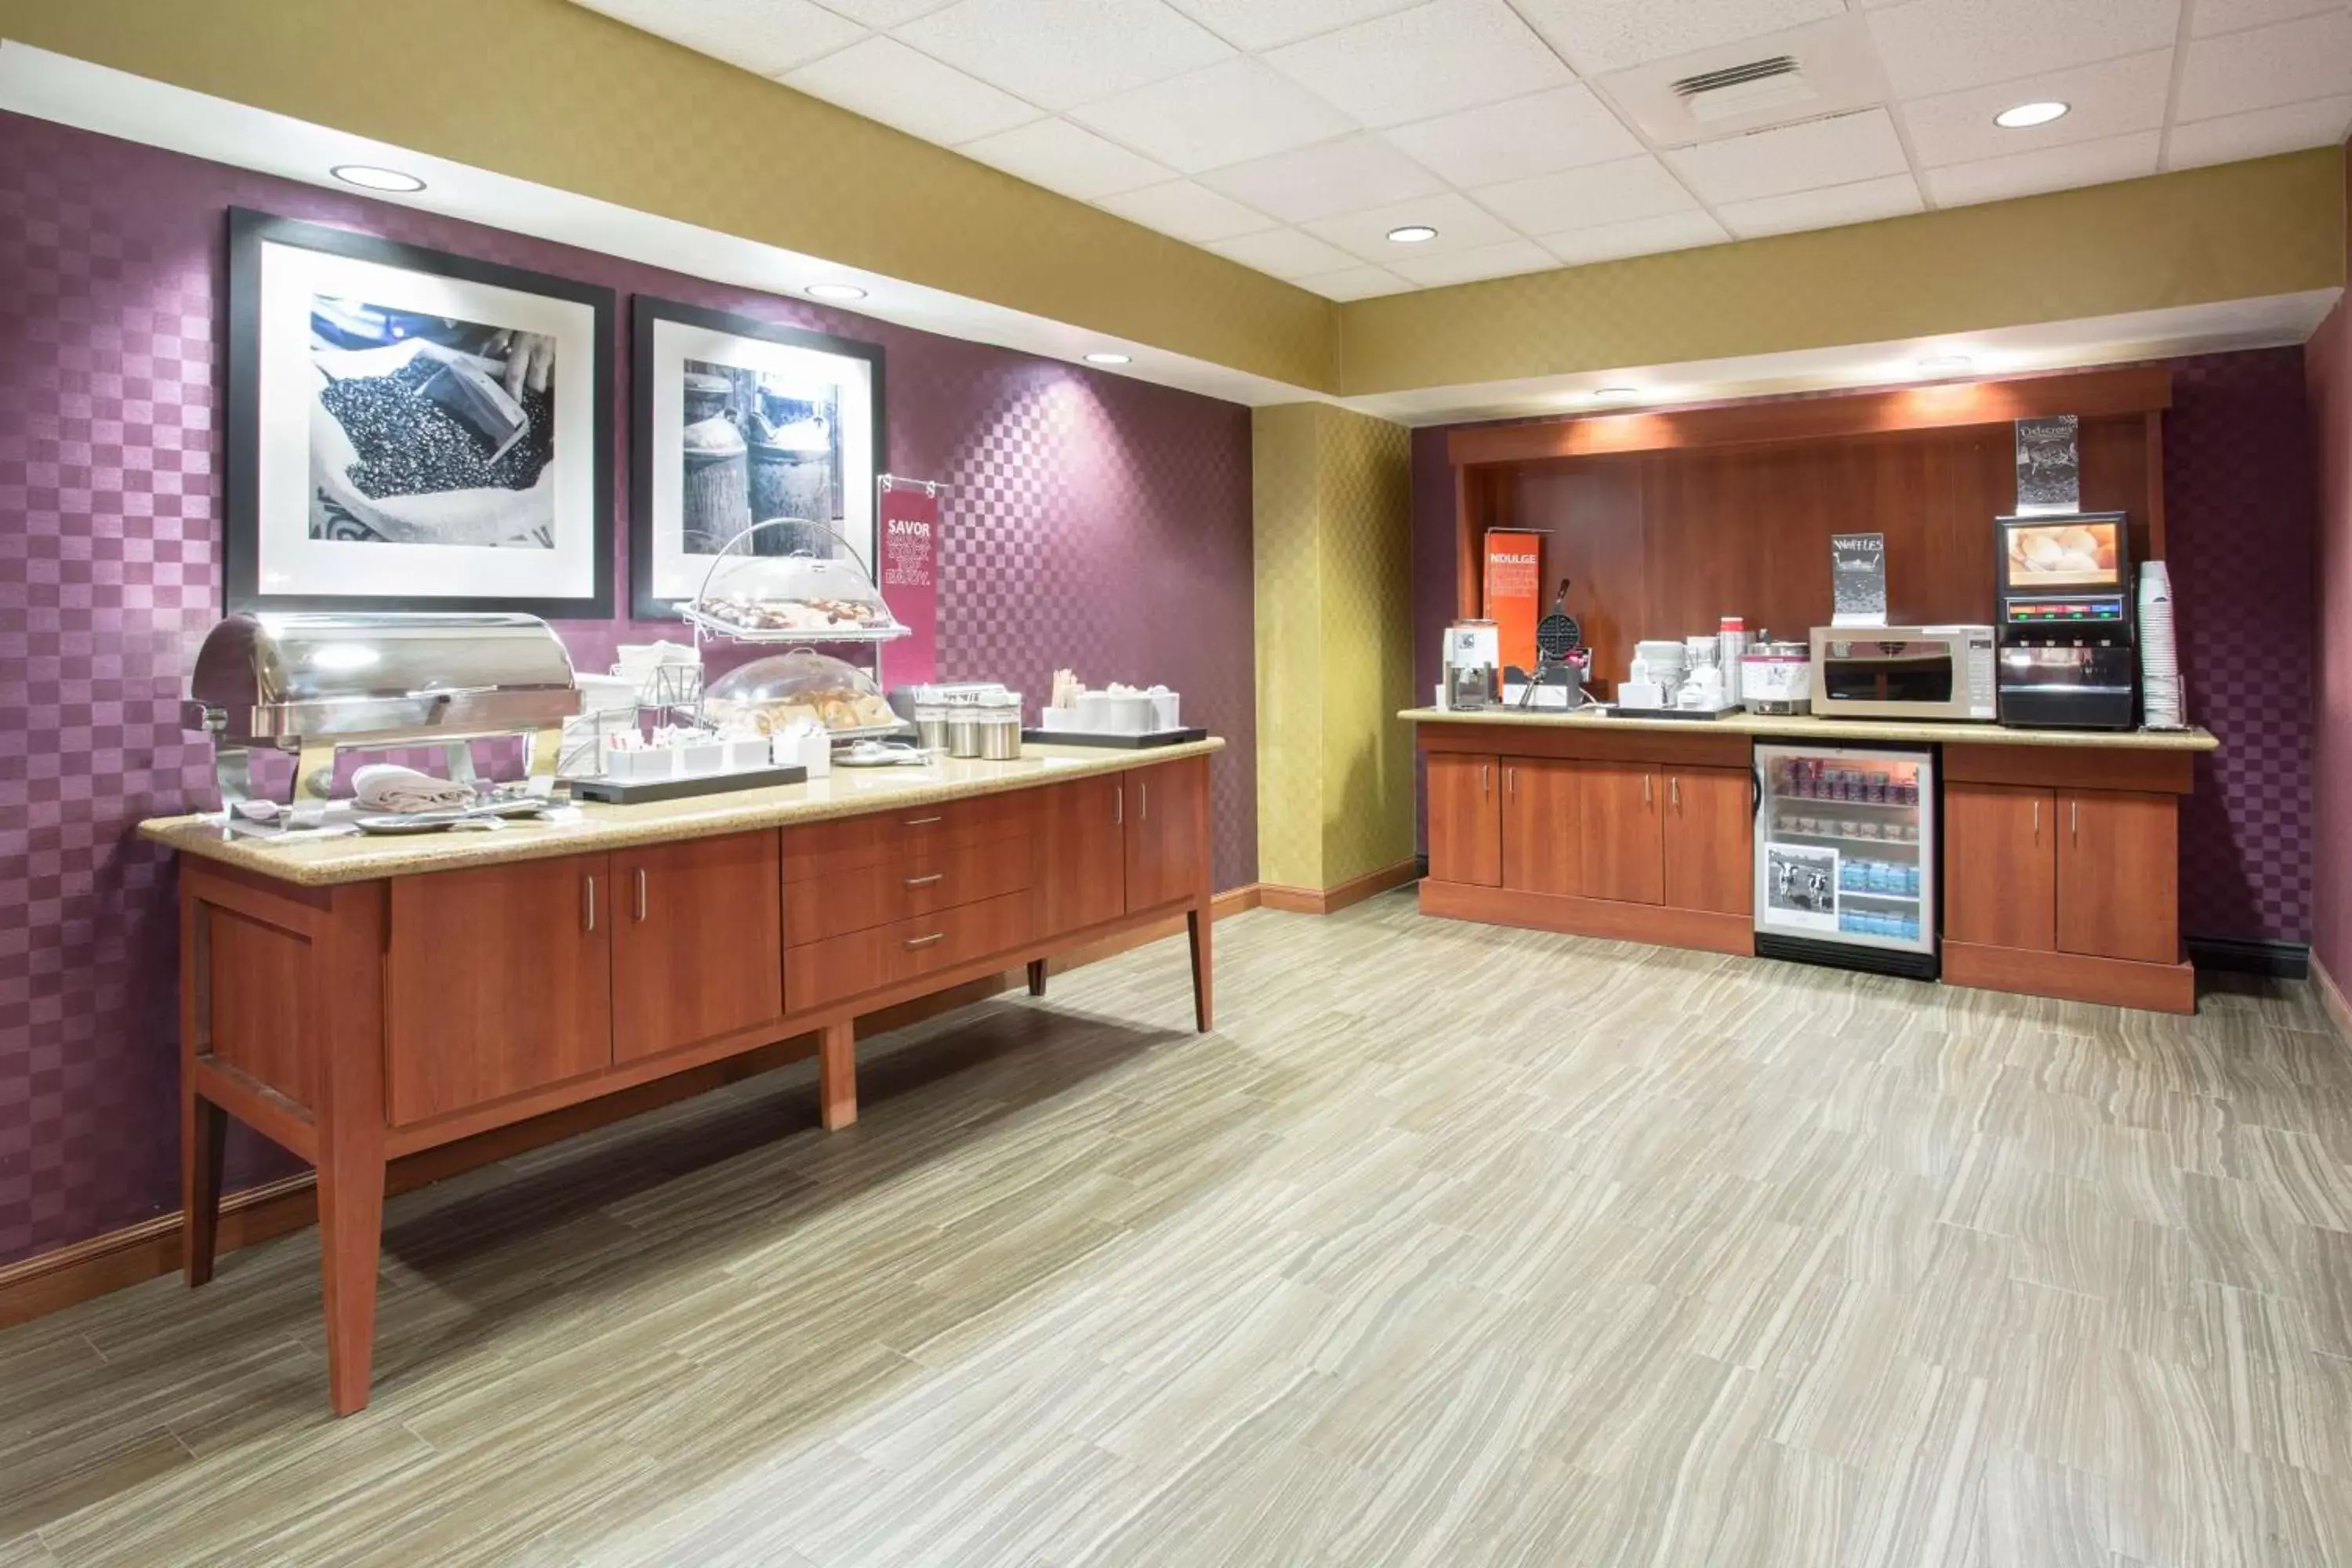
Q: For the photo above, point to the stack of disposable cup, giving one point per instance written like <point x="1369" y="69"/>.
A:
<point x="2164" y="701"/>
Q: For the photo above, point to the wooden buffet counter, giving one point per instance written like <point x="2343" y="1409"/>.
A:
<point x="2060" y="849"/>
<point x="357" y="999"/>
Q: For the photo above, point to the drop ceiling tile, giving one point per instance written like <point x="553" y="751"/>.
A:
<point x="2045" y="169"/>
<point x="1353" y="283"/>
<point x="1565" y="127"/>
<point x="883" y="79"/>
<point x="878" y="12"/>
<point x="1062" y="157"/>
<point x="1643" y="237"/>
<point x="1285" y="252"/>
<point x="1182" y="210"/>
<point x="2267" y="67"/>
<point x="1228" y="113"/>
<point x="2110" y="99"/>
<point x="1461" y="224"/>
<point x="769" y="36"/>
<point x="2208" y="17"/>
<point x="1942" y="46"/>
<point x="2319" y="124"/>
<point x="1588" y="198"/>
<point x="1063" y="53"/>
<point x="1433" y="59"/>
<point x="1269" y="23"/>
<point x="1609" y="34"/>
<point x="1513" y="256"/>
<point x="1870" y="199"/>
<point x="1815" y="153"/>
<point x="1343" y="176"/>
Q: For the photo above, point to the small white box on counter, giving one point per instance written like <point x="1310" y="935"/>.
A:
<point x="1641" y="694"/>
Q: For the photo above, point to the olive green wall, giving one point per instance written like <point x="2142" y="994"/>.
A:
<point x="1333" y="524"/>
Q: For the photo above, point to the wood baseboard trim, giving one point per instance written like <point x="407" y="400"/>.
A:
<point x="2152" y="988"/>
<point x="2331" y="998"/>
<point x="84" y="1271"/>
<point x="1607" y="918"/>
<point x="1332" y="900"/>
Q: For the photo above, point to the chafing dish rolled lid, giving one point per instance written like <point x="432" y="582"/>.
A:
<point x="280" y="679"/>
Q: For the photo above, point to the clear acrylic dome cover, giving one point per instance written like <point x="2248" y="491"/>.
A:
<point x="768" y="694"/>
<point x="790" y="576"/>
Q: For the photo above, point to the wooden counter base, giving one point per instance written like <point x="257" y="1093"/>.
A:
<point x="2115" y="983"/>
<point x="1611" y="919"/>
<point x="358" y="1022"/>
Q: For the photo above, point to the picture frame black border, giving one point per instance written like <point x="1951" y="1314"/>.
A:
<point x="645" y="311"/>
<point x="248" y="231"/>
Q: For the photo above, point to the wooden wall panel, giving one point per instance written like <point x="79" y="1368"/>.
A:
<point x="1664" y="542"/>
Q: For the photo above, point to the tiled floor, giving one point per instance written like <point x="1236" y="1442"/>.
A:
<point x="1454" y="1246"/>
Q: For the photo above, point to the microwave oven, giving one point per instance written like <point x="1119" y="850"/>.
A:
<point x="1904" y="672"/>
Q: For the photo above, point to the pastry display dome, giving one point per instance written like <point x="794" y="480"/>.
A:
<point x="790" y="580"/>
<point x="768" y="694"/>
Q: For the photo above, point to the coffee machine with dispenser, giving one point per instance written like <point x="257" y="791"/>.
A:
<point x="2068" y="657"/>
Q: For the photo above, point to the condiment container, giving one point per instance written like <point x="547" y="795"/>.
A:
<point x="963" y="732"/>
<point x="998" y="721"/>
<point x="931" y="725"/>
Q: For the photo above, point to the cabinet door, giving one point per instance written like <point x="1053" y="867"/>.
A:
<point x="1082" y="851"/>
<point x="1999" y="865"/>
<point x="1167" y="833"/>
<point x="1709" y="849"/>
<point x="2119" y="876"/>
<point x="698" y="942"/>
<point x="1465" y="828"/>
<point x="1542" y="844"/>
<point x="1620" y="832"/>
<point x="497" y="980"/>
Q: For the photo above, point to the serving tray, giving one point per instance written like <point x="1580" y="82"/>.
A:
<point x="1144" y="742"/>
<point x="636" y="791"/>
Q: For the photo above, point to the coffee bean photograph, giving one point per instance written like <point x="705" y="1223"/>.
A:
<point x="412" y="405"/>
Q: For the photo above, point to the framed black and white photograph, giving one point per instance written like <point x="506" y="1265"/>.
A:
<point x="409" y="429"/>
<point x="738" y="421"/>
<point x="1801" y="886"/>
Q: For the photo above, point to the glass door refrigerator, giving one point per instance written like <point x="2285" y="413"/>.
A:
<point x="1845" y="857"/>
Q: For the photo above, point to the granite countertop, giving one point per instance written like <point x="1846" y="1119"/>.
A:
<point x="323" y="860"/>
<point x="1771" y="727"/>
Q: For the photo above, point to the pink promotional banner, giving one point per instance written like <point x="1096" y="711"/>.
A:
<point x="907" y="526"/>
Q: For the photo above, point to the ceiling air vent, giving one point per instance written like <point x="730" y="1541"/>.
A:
<point x="1742" y="89"/>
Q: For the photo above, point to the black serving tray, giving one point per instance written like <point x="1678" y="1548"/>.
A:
<point x="1699" y="715"/>
<point x="636" y="791"/>
<point x="1116" y="742"/>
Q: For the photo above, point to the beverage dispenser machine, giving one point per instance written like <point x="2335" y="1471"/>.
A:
<point x="2067" y="657"/>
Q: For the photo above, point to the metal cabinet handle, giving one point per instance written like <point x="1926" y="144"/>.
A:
<point x="2037" y="820"/>
<point x="926" y="882"/>
<point x="2074" y="820"/>
<point x="590" y="883"/>
<point x="1118" y="806"/>
<point x="1142" y="801"/>
<point x="1485" y="779"/>
<point x="923" y="821"/>
<point x="927" y="940"/>
<point x="1646" y="789"/>
<point x="1511" y="782"/>
<point x="1675" y="792"/>
<point x="641" y="895"/>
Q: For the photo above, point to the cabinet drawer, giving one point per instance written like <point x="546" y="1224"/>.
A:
<point x="822" y="972"/>
<point x="902" y="834"/>
<point x="901" y="887"/>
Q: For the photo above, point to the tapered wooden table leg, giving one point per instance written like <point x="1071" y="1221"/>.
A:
<point x="351" y="1232"/>
<point x="1036" y="977"/>
<point x="836" y="1075"/>
<point x="1200" y="920"/>
<point x="203" y="1126"/>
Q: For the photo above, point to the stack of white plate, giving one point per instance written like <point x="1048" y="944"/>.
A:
<point x="2163" y="698"/>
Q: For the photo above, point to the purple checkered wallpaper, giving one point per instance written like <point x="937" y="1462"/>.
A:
<point x="1092" y="521"/>
<point x="2239" y="522"/>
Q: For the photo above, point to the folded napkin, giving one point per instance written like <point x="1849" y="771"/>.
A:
<point x="387" y="787"/>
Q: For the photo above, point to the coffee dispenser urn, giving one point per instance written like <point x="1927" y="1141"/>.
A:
<point x="2068" y="656"/>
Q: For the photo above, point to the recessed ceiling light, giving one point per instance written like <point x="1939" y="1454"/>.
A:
<point x="1941" y="364"/>
<point x="837" y="292"/>
<point x="1413" y="234"/>
<point x="1106" y="359"/>
<point x="2026" y="115"/>
<point x="367" y="176"/>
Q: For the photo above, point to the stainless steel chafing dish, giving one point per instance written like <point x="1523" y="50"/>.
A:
<point x="317" y="684"/>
